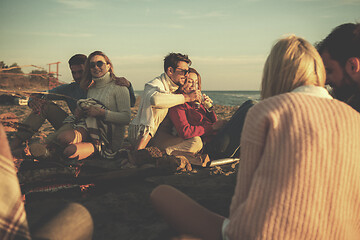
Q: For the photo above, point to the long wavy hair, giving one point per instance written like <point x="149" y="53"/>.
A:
<point x="292" y="62"/>
<point x="193" y="70"/>
<point x="86" y="81"/>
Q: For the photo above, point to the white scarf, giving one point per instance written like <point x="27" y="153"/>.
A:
<point x="313" y="91"/>
<point x="144" y="119"/>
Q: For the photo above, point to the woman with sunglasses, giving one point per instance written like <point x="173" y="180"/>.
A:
<point x="299" y="171"/>
<point x="198" y="129"/>
<point x="102" y="117"/>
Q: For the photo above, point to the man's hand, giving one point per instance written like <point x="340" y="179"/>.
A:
<point x="193" y="96"/>
<point x="218" y="124"/>
<point x="121" y="81"/>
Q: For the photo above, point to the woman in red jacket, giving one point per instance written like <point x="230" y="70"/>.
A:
<point x="196" y="121"/>
<point x="192" y="121"/>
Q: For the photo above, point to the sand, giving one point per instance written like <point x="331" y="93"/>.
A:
<point x="120" y="206"/>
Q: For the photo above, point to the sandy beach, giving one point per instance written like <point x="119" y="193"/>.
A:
<point x="120" y="205"/>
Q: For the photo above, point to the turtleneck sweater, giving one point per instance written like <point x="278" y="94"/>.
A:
<point x="116" y="98"/>
<point x="299" y="171"/>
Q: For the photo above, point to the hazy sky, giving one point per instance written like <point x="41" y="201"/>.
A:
<point x="227" y="40"/>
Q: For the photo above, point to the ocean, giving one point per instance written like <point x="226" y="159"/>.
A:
<point x="227" y="98"/>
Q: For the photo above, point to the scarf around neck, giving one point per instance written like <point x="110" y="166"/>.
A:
<point x="313" y="91"/>
<point x="145" y="116"/>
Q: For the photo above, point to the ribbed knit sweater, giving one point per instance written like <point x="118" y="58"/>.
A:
<point x="116" y="98"/>
<point x="299" y="174"/>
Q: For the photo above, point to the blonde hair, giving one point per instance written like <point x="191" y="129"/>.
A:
<point x="292" y="62"/>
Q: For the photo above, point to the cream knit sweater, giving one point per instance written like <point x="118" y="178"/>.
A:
<point x="116" y="98"/>
<point x="299" y="174"/>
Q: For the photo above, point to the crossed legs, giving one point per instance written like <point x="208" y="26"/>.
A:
<point x="75" y="143"/>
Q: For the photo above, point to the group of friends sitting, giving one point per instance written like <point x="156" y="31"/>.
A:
<point x="298" y="175"/>
<point x="173" y="115"/>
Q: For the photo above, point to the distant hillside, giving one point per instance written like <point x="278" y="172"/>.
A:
<point x="24" y="82"/>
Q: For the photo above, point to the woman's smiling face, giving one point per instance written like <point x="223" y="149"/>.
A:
<point x="98" y="66"/>
<point x="191" y="83"/>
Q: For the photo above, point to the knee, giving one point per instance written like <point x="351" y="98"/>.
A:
<point x="66" y="137"/>
<point x="197" y="141"/>
<point x="81" y="215"/>
<point x="159" y="194"/>
<point x="70" y="151"/>
<point x="79" y="150"/>
<point x="38" y="104"/>
<point x="71" y="221"/>
<point x="197" y="145"/>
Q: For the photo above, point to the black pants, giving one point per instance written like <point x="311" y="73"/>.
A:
<point x="226" y="143"/>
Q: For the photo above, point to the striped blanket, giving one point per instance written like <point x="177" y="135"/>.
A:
<point x="13" y="223"/>
<point x="99" y="130"/>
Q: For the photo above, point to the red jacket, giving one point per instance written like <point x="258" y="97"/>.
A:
<point x="191" y="122"/>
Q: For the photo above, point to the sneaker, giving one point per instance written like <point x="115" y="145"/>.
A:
<point x="174" y="163"/>
<point x="144" y="156"/>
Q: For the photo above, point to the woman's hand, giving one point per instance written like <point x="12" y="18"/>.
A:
<point x="208" y="103"/>
<point x="96" y="112"/>
<point x="79" y="113"/>
<point x="206" y="98"/>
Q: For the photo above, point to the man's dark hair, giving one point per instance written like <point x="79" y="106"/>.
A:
<point x="342" y="43"/>
<point x="77" y="59"/>
<point x="173" y="59"/>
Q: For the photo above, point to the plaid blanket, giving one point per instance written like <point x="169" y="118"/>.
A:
<point x="99" y="130"/>
<point x="13" y="223"/>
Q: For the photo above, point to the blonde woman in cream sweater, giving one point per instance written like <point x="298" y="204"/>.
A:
<point x="102" y="119"/>
<point x="299" y="172"/>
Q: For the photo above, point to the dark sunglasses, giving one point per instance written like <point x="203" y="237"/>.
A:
<point x="183" y="71"/>
<point x="98" y="63"/>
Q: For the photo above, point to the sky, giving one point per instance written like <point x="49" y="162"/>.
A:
<point x="228" y="41"/>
